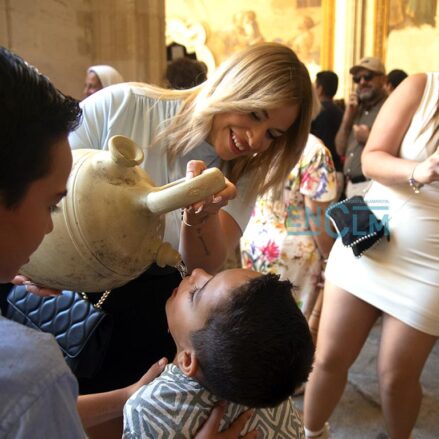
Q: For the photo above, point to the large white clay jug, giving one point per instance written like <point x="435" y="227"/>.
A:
<point x="109" y="228"/>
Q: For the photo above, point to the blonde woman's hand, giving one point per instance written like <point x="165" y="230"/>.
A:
<point x="34" y="288"/>
<point x="210" y="428"/>
<point x="213" y="204"/>
<point x="427" y="171"/>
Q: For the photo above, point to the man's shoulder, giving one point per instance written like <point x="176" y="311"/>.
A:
<point x="32" y="372"/>
<point x="26" y="352"/>
<point x="332" y="107"/>
<point x="379" y="103"/>
<point x="330" y="113"/>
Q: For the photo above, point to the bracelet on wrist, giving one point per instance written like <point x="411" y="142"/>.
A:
<point x="203" y="219"/>
<point x="415" y="184"/>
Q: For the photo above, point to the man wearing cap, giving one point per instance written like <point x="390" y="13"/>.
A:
<point x="369" y="75"/>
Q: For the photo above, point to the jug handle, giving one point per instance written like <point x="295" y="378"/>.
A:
<point x="182" y="193"/>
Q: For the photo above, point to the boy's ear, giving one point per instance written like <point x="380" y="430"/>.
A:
<point x="187" y="362"/>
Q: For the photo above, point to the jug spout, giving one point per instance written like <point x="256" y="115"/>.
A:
<point x="182" y="193"/>
<point x="125" y="152"/>
<point x="167" y="255"/>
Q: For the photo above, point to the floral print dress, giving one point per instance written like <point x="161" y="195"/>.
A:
<point x="278" y="238"/>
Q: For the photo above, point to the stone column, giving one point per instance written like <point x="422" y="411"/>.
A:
<point x="130" y="35"/>
<point x="349" y="41"/>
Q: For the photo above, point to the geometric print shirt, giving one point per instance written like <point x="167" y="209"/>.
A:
<point x="175" y="406"/>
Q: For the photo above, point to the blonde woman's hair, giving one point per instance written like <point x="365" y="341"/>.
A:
<point x="262" y="77"/>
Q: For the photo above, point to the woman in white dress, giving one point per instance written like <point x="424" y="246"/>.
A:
<point x="396" y="279"/>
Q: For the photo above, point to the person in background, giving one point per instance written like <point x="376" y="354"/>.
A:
<point x="291" y="238"/>
<point x="327" y="122"/>
<point x="258" y="364"/>
<point x="99" y="77"/>
<point x="393" y="79"/>
<point x="365" y="101"/>
<point x="397" y="279"/>
<point x="184" y="73"/>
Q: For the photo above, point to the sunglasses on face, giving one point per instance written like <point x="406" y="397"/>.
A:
<point x="365" y="77"/>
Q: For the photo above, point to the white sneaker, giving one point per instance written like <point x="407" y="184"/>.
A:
<point x="324" y="434"/>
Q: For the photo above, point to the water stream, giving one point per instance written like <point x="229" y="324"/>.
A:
<point x="181" y="267"/>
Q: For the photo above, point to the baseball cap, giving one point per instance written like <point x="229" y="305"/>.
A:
<point x="369" y="63"/>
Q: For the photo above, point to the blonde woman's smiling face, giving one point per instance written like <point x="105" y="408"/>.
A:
<point x="235" y="134"/>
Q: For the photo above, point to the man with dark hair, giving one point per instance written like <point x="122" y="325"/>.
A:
<point x="240" y="337"/>
<point x="327" y="122"/>
<point x="362" y="108"/>
<point x="393" y="79"/>
<point x="184" y="73"/>
<point x="38" y="391"/>
<point x="39" y="394"/>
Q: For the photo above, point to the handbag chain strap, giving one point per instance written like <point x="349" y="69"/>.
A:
<point x="101" y="301"/>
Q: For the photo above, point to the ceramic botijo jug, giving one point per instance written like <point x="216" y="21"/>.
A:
<point x="109" y="228"/>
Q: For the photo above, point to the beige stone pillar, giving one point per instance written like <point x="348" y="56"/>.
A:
<point x="130" y="35"/>
<point x="63" y="38"/>
<point x="350" y="16"/>
<point x="51" y="35"/>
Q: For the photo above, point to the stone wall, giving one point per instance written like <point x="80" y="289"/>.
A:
<point x="63" y="37"/>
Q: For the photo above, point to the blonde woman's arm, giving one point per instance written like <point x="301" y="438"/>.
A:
<point x="208" y="233"/>
<point x="387" y="134"/>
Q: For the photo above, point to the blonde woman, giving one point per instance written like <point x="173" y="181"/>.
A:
<point x="38" y="388"/>
<point x="251" y="118"/>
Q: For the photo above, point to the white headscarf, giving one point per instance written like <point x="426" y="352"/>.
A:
<point x="107" y="75"/>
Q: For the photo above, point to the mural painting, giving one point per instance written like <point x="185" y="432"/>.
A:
<point x="412" y="25"/>
<point x="226" y="26"/>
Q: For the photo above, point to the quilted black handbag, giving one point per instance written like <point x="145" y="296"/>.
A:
<point x="82" y="330"/>
<point x="356" y="224"/>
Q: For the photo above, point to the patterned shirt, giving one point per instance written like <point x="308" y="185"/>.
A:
<point x="278" y="238"/>
<point x="175" y="406"/>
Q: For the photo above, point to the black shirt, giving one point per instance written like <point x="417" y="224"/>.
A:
<point x="325" y="127"/>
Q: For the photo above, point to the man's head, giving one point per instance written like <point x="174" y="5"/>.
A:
<point x="184" y="73"/>
<point x="369" y="75"/>
<point x="241" y="335"/>
<point x="326" y="84"/>
<point x="99" y="77"/>
<point x="35" y="157"/>
<point x="394" y="78"/>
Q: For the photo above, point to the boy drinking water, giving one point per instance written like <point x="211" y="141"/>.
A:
<point x="240" y="337"/>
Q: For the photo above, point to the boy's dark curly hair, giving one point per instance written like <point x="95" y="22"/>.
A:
<point x="256" y="348"/>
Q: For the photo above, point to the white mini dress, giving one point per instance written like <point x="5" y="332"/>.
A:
<point x="401" y="276"/>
